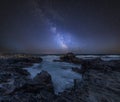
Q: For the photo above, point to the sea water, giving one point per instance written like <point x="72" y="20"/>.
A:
<point x="61" y="72"/>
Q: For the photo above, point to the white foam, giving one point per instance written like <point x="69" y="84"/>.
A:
<point x="88" y="56"/>
<point x="33" y="70"/>
<point x="110" y="57"/>
<point x="103" y="57"/>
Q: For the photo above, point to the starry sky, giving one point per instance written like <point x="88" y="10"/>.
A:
<point x="60" y="26"/>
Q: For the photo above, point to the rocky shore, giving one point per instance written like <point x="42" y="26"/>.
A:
<point x="100" y="81"/>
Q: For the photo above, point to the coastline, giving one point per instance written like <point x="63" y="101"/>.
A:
<point x="100" y="82"/>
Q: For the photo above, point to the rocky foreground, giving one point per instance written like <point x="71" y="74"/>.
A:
<point x="100" y="82"/>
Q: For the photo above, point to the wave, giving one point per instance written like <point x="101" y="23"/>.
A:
<point x="110" y="57"/>
<point x="103" y="57"/>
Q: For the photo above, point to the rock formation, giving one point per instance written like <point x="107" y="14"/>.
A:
<point x="100" y="82"/>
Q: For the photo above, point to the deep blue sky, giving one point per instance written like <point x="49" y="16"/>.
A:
<point x="57" y="26"/>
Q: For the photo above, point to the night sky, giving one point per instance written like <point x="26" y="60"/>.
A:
<point x="60" y="26"/>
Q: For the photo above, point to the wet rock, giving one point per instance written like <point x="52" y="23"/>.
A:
<point x="2" y="91"/>
<point x="19" y="81"/>
<point x="42" y="81"/>
<point x="71" y="58"/>
<point x="44" y="78"/>
<point x="98" y="64"/>
<point x="20" y="71"/>
<point x="40" y="89"/>
<point x="19" y="62"/>
<point x="67" y="57"/>
<point x="78" y="70"/>
<point x="25" y="60"/>
<point x="4" y="77"/>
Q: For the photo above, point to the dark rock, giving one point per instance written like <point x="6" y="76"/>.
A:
<point x="25" y="60"/>
<point x="98" y="64"/>
<point x="67" y="57"/>
<point x="19" y="81"/>
<point x="44" y="78"/>
<point x="4" y="77"/>
<point x="71" y="58"/>
<point x="40" y="89"/>
<point x="78" y="70"/>
<point x="77" y="84"/>
<point x="2" y="91"/>
<point x="42" y="81"/>
<point x="19" y="71"/>
<point x="29" y="97"/>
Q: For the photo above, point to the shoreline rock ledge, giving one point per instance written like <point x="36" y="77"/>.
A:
<point x="40" y="88"/>
<point x="70" y="58"/>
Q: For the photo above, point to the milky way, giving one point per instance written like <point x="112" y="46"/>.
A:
<point x="59" y="38"/>
<point x="62" y="40"/>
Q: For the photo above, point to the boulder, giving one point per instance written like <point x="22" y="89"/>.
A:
<point x="71" y="58"/>
<point x="44" y="78"/>
<point x="67" y="57"/>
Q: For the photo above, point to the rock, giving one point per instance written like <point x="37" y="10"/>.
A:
<point x="29" y="97"/>
<point x="19" y="71"/>
<point x="19" y="62"/>
<point x="4" y="77"/>
<point x="71" y="58"/>
<point x="44" y="78"/>
<point x="41" y="82"/>
<point x="98" y="64"/>
<point x="78" y="70"/>
<point x="67" y="57"/>
<point x="25" y="60"/>
<point x="77" y="84"/>
<point x="40" y="89"/>
<point x="19" y="81"/>
<point x="101" y="78"/>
